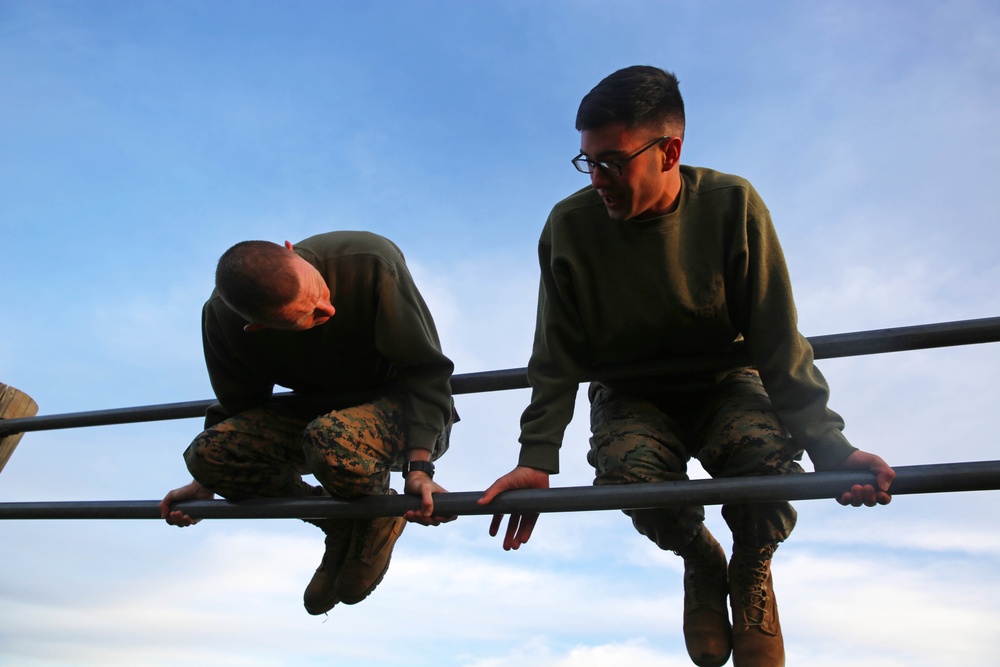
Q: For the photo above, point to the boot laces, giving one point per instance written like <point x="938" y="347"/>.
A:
<point x="753" y="574"/>
<point x="755" y="595"/>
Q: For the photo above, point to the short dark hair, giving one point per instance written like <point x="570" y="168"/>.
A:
<point x="256" y="279"/>
<point x="637" y="95"/>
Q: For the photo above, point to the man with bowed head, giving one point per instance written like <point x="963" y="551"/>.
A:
<point x="657" y="261"/>
<point x="371" y="387"/>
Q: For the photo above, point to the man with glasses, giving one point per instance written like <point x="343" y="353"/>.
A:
<point x="653" y="264"/>
<point x="338" y="319"/>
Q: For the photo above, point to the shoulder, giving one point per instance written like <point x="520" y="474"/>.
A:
<point x="703" y="181"/>
<point x="719" y="189"/>
<point x="574" y="214"/>
<point x="347" y="242"/>
<point x="580" y="202"/>
<point x="217" y="317"/>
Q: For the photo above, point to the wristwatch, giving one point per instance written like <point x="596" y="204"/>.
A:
<point x="422" y="466"/>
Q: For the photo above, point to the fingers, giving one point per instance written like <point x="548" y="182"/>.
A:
<point x="866" y="495"/>
<point x="512" y="528"/>
<point x="527" y="527"/>
<point x="520" y="526"/>
<point x="856" y="496"/>
<point x="884" y="479"/>
<point x="172" y="516"/>
<point x="516" y="479"/>
<point x="519" y="529"/>
<point x="192" y="491"/>
<point x="417" y="516"/>
<point x="180" y="519"/>
<point x="414" y="516"/>
<point x="495" y="524"/>
<point x="425" y="515"/>
<point x="167" y="501"/>
<point x="427" y="500"/>
<point x="489" y="494"/>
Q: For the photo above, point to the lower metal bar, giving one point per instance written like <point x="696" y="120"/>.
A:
<point x="937" y="478"/>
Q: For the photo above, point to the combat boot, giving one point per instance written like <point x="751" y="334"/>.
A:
<point x="757" y="640"/>
<point x="707" y="633"/>
<point x="368" y="558"/>
<point x="321" y="594"/>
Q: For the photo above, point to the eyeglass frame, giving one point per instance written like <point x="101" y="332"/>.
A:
<point x="606" y="165"/>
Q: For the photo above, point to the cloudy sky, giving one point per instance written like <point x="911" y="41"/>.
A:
<point x="138" y="140"/>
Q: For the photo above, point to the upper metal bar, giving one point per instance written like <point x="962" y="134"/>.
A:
<point x="937" y="478"/>
<point x="877" y="341"/>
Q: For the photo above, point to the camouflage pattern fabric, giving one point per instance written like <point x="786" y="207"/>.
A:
<point x="263" y="452"/>
<point x="730" y="428"/>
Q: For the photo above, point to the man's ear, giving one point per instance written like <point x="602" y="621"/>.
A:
<point x="672" y="153"/>
<point x="253" y="326"/>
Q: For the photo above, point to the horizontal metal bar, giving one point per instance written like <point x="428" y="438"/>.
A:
<point x="878" y="341"/>
<point x="901" y="339"/>
<point x="937" y="478"/>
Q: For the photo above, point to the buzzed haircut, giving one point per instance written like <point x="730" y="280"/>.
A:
<point x="256" y="279"/>
<point x="637" y="96"/>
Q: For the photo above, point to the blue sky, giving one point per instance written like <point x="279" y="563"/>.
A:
<point x="138" y="140"/>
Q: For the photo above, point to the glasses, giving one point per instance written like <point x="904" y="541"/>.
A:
<point x="611" y="167"/>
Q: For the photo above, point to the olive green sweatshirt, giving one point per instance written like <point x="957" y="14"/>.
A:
<point x="685" y="284"/>
<point x="381" y="340"/>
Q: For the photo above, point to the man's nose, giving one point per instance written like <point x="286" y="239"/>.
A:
<point x="600" y="178"/>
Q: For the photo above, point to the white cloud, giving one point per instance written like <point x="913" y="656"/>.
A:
<point x="889" y="608"/>
<point x="625" y="654"/>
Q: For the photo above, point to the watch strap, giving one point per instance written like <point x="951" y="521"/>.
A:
<point x="422" y="466"/>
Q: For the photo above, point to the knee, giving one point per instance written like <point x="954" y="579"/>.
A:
<point x="202" y="459"/>
<point x="350" y="477"/>
<point x="326" y="448"/>
<point x="760" y="456"/>
<point x="345" y="467"/>
<point x="757" y="525"/>
<point x="633" y="460"/>
<point x="669" y="528"/>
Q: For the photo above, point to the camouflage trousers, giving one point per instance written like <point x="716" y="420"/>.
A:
<point x="263" y="452"/>
<point x="730" y="428"/>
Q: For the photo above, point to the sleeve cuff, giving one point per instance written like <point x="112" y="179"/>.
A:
<point x="542" y="457"/>
<point x="831" y="451"/>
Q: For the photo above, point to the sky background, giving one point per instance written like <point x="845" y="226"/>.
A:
<point x="139" y="140"/>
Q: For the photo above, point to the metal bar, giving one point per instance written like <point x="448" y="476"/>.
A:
<point x="878" y="341"/>
<point x="901" y="339"/>
<point x="937" y="478"/>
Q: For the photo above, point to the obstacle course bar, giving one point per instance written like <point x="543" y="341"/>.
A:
<point x="937" y="478"/>
<point x="878" y="341"/>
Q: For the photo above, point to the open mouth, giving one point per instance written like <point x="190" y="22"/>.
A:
<point x="610" y="199"/>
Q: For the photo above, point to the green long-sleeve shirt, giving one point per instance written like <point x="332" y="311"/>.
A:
<point x="381" y="339"/>
<point x="685" y="284"/>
